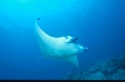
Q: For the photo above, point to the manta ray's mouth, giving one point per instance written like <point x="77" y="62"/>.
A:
<point x="70" y="39"/>
<point x="73" y="39"/>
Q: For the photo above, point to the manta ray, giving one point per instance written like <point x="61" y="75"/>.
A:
<point x="61" y="48"/>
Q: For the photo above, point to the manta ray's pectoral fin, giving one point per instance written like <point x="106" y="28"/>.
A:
<point x="73" y="60"/>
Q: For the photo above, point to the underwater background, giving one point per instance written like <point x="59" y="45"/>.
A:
<point x="99" y="24"/>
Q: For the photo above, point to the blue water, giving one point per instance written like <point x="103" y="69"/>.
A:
<point x="99" y="24"/>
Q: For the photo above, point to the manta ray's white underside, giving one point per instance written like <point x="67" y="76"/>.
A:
<point x="61" y="48"/>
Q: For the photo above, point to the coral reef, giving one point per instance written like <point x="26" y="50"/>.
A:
<point x="113" y="69"/>
<point x="96" y="76"/>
